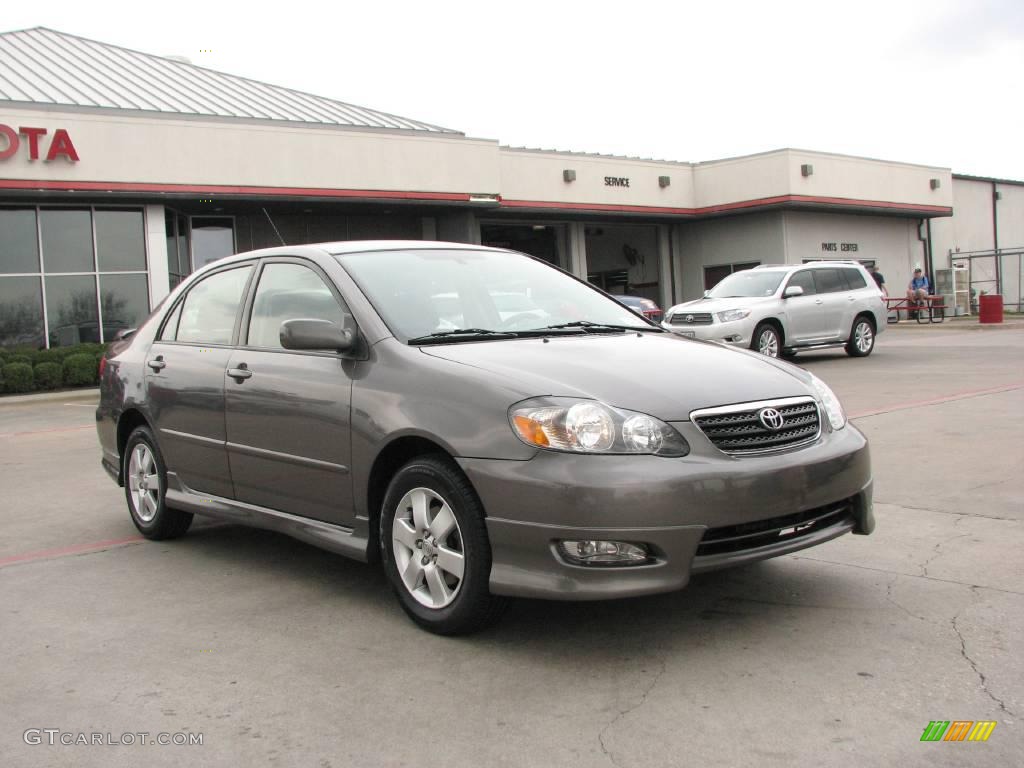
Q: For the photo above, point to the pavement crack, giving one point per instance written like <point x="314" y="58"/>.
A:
<point x="937" y="549"/>
<point x="981" y="675"/>
<point x="959" y="515"/>
<point x="908" y="575"/>
<point x="891" y="599"/>
<point x="623" y="712"/>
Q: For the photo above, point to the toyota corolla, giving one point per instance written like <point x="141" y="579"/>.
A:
<point x="570" y="451"/>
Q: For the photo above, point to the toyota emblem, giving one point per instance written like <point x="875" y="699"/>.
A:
<point x="689" y="318"/>
<point x="771" y="419"/>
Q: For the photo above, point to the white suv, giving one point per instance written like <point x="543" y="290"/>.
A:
<point x="780" y="310"/>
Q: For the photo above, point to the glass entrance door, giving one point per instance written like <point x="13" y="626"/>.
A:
<point x="213" y="237"/>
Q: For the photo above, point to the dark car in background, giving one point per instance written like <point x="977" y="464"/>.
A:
<point x="640" y="305"/>
<point x="319" y="391"/>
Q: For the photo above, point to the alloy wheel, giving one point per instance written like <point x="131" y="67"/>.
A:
<point x="144" y="481"/>
<point x="768" y="343"/>
<point x="863" y="337"/>
<point x="428" y="548"/>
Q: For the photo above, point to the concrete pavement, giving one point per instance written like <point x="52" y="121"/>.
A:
<point x="280" y="654"/>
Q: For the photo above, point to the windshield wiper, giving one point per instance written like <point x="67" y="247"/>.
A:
<point x="590" y="327"/>
<point x="461" y="334"/>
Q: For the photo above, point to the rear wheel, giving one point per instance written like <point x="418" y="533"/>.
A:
<point x="766" y="340"/>
<point x="435" y="548"/>
<point x="145" y="488"/>
<point x="862" y="338"/>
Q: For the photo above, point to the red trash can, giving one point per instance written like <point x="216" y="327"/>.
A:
<point x="990" y="308"/>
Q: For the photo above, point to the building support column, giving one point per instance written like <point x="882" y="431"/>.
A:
<point x="667" y="297"/>
<point x="156" y="254"/>
<point x="577" y="249"/>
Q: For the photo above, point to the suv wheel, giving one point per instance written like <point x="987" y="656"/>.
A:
<point x="145" y="488"/>
<point x="766" y="340"/>
<point x="862" y="338"/>
<point x="435" y="548"/>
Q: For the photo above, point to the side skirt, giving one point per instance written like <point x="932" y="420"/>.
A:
<point x="334" y="538"/>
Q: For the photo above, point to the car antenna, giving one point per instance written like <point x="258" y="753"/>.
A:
<point x="272" y="225"/>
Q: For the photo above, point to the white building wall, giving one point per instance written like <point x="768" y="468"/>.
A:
<point x="736" y="239"/>
<point x="892" y="243"/>
<point x="970" y="226"/>
<point x="1010" y="210"/>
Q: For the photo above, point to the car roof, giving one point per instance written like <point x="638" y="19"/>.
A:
<point x="810" y="265"/>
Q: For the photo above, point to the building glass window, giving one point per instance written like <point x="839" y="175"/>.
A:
<point x="66" y="240"/>
<point x="19" y="241"/>
<point x="51" y="266"/>
<point x="120" y="241"/>
<point x="213" y="237"/>
<point x="71" y="310"/>
<point x="716" y="274"/>
<point x="21" y="312"/>
<point x="124" y="300"/>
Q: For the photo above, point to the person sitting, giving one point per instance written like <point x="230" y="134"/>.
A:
<point x="918" y="289"/>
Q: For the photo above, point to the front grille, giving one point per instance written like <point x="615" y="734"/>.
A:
<point x="736" y="538"/>
<point x="690" y="318"/>
<point x="739" y="429"/>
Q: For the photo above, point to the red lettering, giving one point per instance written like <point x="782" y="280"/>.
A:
<point x="61" y="145"/>
<point x="32" y="134"/>
<point x="12" y="141"/>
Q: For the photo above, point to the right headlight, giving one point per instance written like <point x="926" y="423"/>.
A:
<point x="830" y="403"/>
<point x="588" y="426"/>
<point x="733" y="314"/>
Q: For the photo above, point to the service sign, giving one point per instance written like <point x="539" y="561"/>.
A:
<point x="36" y="144"/>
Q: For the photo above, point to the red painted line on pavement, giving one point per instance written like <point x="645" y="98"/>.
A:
<point x="938" y="400"/>
<point x="75" y="549"/>
<point x="45" y="431"/>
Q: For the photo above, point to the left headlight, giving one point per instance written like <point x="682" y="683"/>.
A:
<point x="733" y="314"/>
<point x="588" y="426"/>
<point x="829" y="401"/>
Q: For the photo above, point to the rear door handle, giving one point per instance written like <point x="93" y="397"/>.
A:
<point x="157" y="364"/>
<point x="819" y="301"/>
<point x="241" y="373"/>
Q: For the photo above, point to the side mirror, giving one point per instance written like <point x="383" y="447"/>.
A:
<point x="792" y="290"/>
<point x="318" y="335"/>
<point x="707" y="293"/>
<point x="124" y="333"/>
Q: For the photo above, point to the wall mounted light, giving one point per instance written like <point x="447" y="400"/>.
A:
<point x="934" y="183"/>
<point x="806" y="169"/>
<point x="664" y="181"/>
<point x="568" y="175"/>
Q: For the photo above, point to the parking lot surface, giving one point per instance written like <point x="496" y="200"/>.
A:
<point x="281" y="654"/>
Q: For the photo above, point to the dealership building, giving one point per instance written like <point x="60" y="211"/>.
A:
<point x="122" y="172"/>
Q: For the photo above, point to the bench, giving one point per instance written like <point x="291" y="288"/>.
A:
<point x="929" y="310"/>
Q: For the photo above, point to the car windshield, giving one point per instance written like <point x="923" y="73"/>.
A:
<point x="747" y="284"/>
<point x="424" y="292"/>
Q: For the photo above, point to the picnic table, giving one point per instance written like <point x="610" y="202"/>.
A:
<point x="927" y="310"/>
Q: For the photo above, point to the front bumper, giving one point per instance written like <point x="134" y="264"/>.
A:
<point x="736" y="332"/>
<point x="667" y="504"/>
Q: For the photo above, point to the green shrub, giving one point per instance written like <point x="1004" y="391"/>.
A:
<point x="18" y="377"/>
<point x="49" y="375"/>
<point x="80" y="370"/>
<point x="23" y="359"/>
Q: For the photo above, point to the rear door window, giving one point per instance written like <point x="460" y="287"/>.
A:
<point x="828" y="280"/>
<point x="209" y="310"/>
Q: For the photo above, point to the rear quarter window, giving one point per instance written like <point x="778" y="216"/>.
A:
<point x="854" y="278"/>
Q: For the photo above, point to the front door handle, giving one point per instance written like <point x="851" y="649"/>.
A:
<point x="241" y="373"/>
<point x="157" y="364"/>
<point x="819" y="301"/>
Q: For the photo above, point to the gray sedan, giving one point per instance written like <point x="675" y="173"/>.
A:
<point x="567" y="451"/>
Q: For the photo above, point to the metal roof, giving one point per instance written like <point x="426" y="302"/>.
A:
<point x="43" y="66"/>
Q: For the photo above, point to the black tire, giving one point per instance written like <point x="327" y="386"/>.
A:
<point x="156" y="521"/>
<point x="472" y="607"/>
<point x="862" y="338"/>
<point x="765" y="339"/>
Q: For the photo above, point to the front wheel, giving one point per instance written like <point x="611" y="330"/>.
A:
<point x="145" y="488"/>
<point x="862" y="338"/>
<point x="766" y="340"/>
<point x="435" y="548"/>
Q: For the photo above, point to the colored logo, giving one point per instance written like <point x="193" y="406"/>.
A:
<point x="958" y="730"/>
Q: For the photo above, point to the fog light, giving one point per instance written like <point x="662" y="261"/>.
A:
<point x="592" y="552"/>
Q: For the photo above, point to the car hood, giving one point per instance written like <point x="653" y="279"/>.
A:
<point x="719" y="305"/>
<point x="655" y="373"/>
